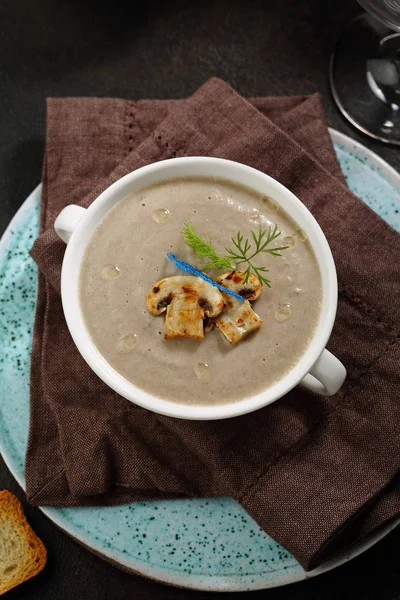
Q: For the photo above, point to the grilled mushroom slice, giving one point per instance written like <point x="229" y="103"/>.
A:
<point x="187" y="300"/>
<point x="238" y="318"/>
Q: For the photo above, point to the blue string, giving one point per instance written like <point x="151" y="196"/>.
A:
<point x="184" y="266"/>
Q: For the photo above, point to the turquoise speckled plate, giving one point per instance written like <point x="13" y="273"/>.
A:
<point x="203" y="544"/>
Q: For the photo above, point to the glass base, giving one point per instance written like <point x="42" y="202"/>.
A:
<point x="365" y="78"/>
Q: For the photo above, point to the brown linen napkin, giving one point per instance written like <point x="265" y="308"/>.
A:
<point x="318" y="474"/>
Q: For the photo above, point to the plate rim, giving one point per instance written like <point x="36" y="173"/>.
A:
<point x="351" y="144"/>
<point x="211" y="582"/>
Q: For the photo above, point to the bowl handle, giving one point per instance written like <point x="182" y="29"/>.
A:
<point x="67" y="220"/>
<point x="326" y="376"/>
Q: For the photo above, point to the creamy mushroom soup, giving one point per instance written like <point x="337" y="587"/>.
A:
<point x="126" y="257"/>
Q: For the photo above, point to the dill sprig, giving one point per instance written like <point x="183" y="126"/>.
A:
<point x="243" y="253"/>
<point x="204" y="249"/>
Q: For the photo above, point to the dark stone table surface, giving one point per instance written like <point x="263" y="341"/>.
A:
<point x="159" y="50"/>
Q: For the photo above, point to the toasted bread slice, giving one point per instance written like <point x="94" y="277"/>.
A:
<point x="22" y="553"/>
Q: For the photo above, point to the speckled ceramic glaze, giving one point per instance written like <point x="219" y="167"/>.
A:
<point x="204" y="544"/>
